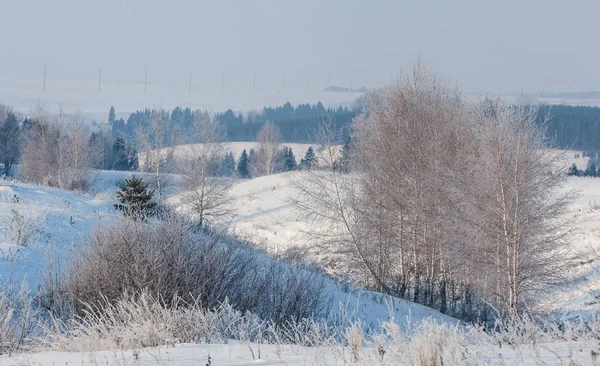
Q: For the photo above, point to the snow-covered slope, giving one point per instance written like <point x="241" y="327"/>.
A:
<point x="52" y="220"/>
<point x="60" y="219"/>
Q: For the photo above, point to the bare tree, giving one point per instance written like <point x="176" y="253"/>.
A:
<point x="449" y="203"/>
<point x="267" y="151"/>
<point x="156" y="143"/>
<point x="56" y="149"/>
<point x="10" y="138"/>
<point x="38" y="157"/>
<point x="200" y="167"/>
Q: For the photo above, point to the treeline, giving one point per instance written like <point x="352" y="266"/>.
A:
<point x="294" y="123"/>
<point x="572" y="127"/>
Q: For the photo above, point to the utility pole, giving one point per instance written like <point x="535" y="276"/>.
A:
<point x="145" y="81"/>
<point x="190" y="84"/>
<point x="99" y="78"/>
<point x="44" y="78"/>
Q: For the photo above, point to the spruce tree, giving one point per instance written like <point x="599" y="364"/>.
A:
<point x="251" y="160"/>
<point x="242" y="167"/>
<point x="310" y="159"/>
<point x="135" y="199"/>
<point x="111" y="116"/>
<point x="344" y="162"/>
<point x="289" y="160"/>
<point x="590" y="169"/>
<point x="573" y="171"/>
<point x="228" y="165"/>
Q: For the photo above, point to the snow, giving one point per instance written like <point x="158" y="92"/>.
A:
<point x="265" y="214"/>
<point x="57" y="219"/>
<point x="240" y="353"/>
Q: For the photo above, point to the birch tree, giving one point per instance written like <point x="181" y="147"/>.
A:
<point x="267" y="152"/>
<point x="200" y="166"/>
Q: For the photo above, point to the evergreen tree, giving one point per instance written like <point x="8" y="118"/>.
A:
<point x="242" y="167"/>
<point x="111" y="116"/>
<point x="344" y="163"/>
<point x="124" y="155"/>
<point x="289" y="160"/>
<point x="590" y="169"/>
<point x="228" y="165"/>
<point x="135" y="199"/>
<point x="310" y="159"/>
<point x="251" y="160"/>
<point x="10" y="140"/>
<point x="573" y="171"/>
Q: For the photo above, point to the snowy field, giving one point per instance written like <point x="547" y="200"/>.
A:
<point x="129" y="96"/>
<point x="56" y="221"/>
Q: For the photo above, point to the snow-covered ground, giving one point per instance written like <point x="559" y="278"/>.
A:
<point x="264" y="213"/>
<point x="238" y="354"/>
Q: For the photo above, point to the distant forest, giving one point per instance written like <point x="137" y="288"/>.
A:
<point x="296" y="124"/>
<point x="573" y="127"/>
<point x="570" y="127"/>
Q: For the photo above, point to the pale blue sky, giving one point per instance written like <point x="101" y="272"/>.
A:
<point x="497" y="46"/>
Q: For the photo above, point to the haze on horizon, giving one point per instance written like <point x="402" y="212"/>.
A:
<point x="500" y="46"/>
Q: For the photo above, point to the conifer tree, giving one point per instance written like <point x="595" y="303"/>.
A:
<point x="590" y="169"/>
<point x="252" y="163"/>
<point x="228" y="165"/>
<point x="310" y="159"/>
<point x="289" y="160"/>
<point x="242" y="167"/>
<point x="111" y="116"/>
<point x="135" y="199"/>
<point x="573" y="171"/>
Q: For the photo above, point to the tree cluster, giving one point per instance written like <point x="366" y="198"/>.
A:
<point x="450" y="204"/>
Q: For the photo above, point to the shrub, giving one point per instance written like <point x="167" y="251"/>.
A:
<point x="167" y="259"/>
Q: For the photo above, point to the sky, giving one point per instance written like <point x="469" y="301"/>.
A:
<point x="486" y="46"/>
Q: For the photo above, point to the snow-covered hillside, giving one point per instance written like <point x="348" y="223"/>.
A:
<point x="59" y="220"/>
<point x="39" y="226"/>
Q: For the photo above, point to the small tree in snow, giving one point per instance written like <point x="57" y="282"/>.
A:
<point x="310" y="159"/>
<point x="135" y="199"/>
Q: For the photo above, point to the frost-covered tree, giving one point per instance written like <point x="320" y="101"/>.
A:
<point x="10" y="138"/>
<point x="449" y="203"/>
<point x="267" y="150"/>
<point x="200" y="167"/>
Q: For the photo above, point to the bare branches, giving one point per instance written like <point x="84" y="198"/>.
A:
<point x="446" y="201"/>
<point x="200" y="167"/>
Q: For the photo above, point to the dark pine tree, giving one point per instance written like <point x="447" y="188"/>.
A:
<point x="289" y="160"/>
<point x="251" y="160"/>
<point x="135" y="199"/>
<point x="573" y="171"/>
<point x="228" y="165"/>
<point x="590" y="169"/>
<point x="124" y="155"/>
<point x="242" y="166"/>
<point x="111" y="116"/>
<point x="310" y="159"/>
<point x="344" y="162"/>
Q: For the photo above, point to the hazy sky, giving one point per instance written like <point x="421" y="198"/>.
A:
<point x="498" y="46"/>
